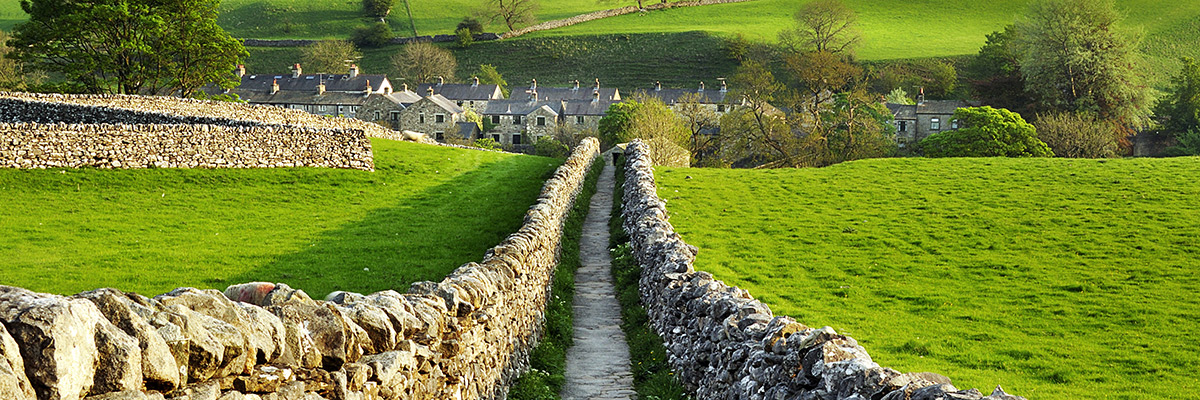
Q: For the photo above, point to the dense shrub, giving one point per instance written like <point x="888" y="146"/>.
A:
<point x="470" y="24"/>
<point x="1078" y="135"/>
<point x="987" y="132"/>
<point x="372" y="36"/>
<point x="463" y="38"/>
<point x="1189" y="144"/>
<point x="487" y="143"/>
<point x="377" y="8"/>
<point x="549" y="147"/>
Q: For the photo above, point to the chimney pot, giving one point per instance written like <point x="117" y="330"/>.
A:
<point x="597" y="84"/>
<point x="595" y="96"/>
<point x="321" y="88"/>
<point x="701" y="87"/>
<point x="353" y="70"/>
<point x="533" y="86"/>
<point x="296" y="71"/>
<point x="441" y="80"/>
<point x="429" y="92"/>
<point x="274" y="86"/>
<point x="405" y="86"/>
<point x="576" y="84"/>
<point x="241" y="70"/>
<point x="723" y="87"/>
<point x="657" y="86"/>
<point x="475" y="81"/>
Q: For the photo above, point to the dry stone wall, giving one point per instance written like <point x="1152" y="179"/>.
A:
<point x="465" y="337"/>
<point x="28" y="145"/>
<point x="724" y="344"/>
<point x="592" y="16"/>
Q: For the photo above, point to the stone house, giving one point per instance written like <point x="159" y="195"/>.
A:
<point x="520" y="122"/>
<point x="566" y="93"/>
<point x="320" y="94"/>
<point x="466" y="95"/>
<point x="386" y="108"/>
<point x="915" y="122"/>
<point x="433" y="115"/>
<point x="716" y="100"/>
<point x="582" y="115"/>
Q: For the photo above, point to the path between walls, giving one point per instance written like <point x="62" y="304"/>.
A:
<point x="598" y="363"/>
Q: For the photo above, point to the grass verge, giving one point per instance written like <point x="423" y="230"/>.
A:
<point x="652" y="374"/>
<point x="548" y="361"/>
<point x="422" y="213"/>
<point x="1056" y="278"/>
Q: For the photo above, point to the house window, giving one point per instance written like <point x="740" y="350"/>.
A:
<point x="516" y="138"/>
<point x="460" y="103"/>
<point x="377" y="115"/>
<point x="496" y="137"/>
<point x="495" y="120"/>
<point x="902" y="127"/>
<point x="421" y="118"/>
<point x="578" y="120"/>
<point x="516" y="120"/>
<point x="935" y="124"/>
<point x="322" y="108"/>
<point x="395" y="116"/>
<point x="440" y="136"/>
<point x="720" y="108"/>
<point x="954" y="124"/>
<point x="541" y="121"/>
<point x="439" y="118"/>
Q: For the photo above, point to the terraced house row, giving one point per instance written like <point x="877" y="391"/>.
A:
<point x="445" y="111"/>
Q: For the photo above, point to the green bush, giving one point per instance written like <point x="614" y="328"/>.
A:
<point x="463" y="38"/>
<point x="377" y="8"/>
<point x="1189" y="144"/>
<point x="470" y="24"/>
<point x="549" y="147"/>
<point x="375" y="35"/>
<point x="987" y="132"/>
<point x="487" y="144"/>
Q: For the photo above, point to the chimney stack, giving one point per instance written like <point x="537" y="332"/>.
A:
<point x="657" y="86"/>
<point x="474" y="81"/>
<point x="274" y="86"/>
<point x="533" y="86"/>
<point x="405" y="86"/>
<point x="723" y="87"/>
<point x="296" y="71"/>
<point x="576" y="85"/>
<point x="701" y="87"/>
<point x="240" y="71"/>
<point x="597" y="88"/>
<point x="533" y="96"/>
<point x="429" y="92"/>
<point x="921" y="97"/>
<point x="595" y="96"/>
<point x="321" y="88"/>
<point x="441" y="80"/>
<point x="353" y="70"/>
<point x="367" y="91"/>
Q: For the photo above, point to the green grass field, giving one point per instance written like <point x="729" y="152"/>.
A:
<point x="1056" y="278"/>
<point x="422" y="213"/>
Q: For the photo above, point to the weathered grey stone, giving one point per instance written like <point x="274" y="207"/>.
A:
<point x="389" y="367"/>
<point x="13" y="382"/>
<point x="283" y="294"/>
<point x="122" y="395"/>
<point x="159" y="368"/>
<point x="119" y="367"/>
<point x="232" y="395"/>
<point x="56" y="336"/>
<point x="210" y="390"/>
<point x="267" y="335"/>
<point x="998" y="394"/>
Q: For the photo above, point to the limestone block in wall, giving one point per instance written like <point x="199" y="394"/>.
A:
<point x="119" y="367"/>
<point x="13" y="382"/>
<point x="262" y="333"/>
<point x="319" y="334"/>
<point x="57" y="340"/>
<point x="253" y="292"/>
<point x="159" y="368"/>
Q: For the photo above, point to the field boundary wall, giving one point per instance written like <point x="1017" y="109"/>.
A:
<point x="465" y="337"/>
<point x="724" y="344"/>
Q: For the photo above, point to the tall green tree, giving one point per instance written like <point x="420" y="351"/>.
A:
<point x="329" y="56"/>
<point x="1076" y="57"/>
<point x="423" y="62"/>
<point x="995" y="73"/>
<point x="128" y="46"/>
<point x="822" y="25"/>
<point x="1180" y="108"/>
<point x="488" y="74"/>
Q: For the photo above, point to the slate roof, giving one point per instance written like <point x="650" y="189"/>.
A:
<point x="468" y="130"/>
<point x="303" y="97"/>
<point x="546" y="93"/>
<point x="445" y="104"/>
<point x="520" y="107"/>
<point x="929" y="107"/>
<point x="461" y="91"/>
<point x="586" y="107"/>
<point x="309" y="82"/>
<point x="404" y="98"/>
<point x="671" y="96"/>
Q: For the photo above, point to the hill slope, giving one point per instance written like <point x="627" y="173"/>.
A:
<point x="425" y="211"/>
<point x="1056" y="278"/>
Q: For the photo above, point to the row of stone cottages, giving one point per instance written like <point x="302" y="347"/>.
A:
<point x="436" y="108"/>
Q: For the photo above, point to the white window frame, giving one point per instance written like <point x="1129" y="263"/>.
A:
<point x="935" y="124"/>
<point x="541" y="121"/>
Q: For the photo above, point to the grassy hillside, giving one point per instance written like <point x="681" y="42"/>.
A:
<point x="425" y="211"/>
<point x="1056" y="278"/>
<point x="554" y="61"/>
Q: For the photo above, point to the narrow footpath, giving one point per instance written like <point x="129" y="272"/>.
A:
<point x="598" y="363"/>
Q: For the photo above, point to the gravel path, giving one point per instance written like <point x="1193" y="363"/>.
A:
<point x="598" y="363"/>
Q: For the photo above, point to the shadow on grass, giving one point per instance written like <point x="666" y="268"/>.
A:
<point x="438" y="230"/>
